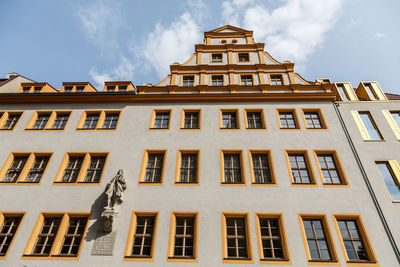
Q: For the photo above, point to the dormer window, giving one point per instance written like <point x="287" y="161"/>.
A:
<point x="26" y="89"/>
<point x="244" y="57"/>
<point x="370" y="91"/>
<point x="111" y="88"/>
<point x="342" y="92"/>
<point x="37" y="89"/>
<point x="68" y="89"/>
<point x="276" y="79"/>
<point x="79" y="89"/>
<point x="216" y="58"/>
<point x="188" y="81"/>
<point x="122" y="88"/>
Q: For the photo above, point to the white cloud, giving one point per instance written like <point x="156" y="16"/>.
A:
<point x="122" y="72"/>
<point x="173" y="43"/>
<point x="379" y="35"/>
<point x="291" y="31"/>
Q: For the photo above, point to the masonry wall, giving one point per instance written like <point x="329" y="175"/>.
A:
<point x="126" y="146"/>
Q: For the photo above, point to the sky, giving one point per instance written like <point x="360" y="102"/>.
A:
<point x="104" y="40"/>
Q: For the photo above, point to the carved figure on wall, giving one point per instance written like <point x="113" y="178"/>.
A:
<point x="114" y="195"/>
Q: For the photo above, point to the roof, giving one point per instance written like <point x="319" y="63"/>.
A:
<point x="392" y="96"/>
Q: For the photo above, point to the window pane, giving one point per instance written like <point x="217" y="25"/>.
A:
<point x="7" y="232"/>
<point x="389" y="179"/>
<point x="370" y="126"/>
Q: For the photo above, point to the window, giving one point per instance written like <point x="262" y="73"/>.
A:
<point x="318" y="239"/>
<point x="288" y="119"/>
<point x="254" y="119"/>
<point x="393" y="118"/>
<point x="122" y="88"/>
<point x="188" y="81"/>
<point x="216" y="58"/>
<point x="243" y="57"/>
<point x="300" y="169"/>
<point x="41" y="121"/>
<point x="314" y="119"/>
<point x="354" y="239"/>
<point x="229" y="119"/>
<point x="233" y="172"/>
<point x="110" y="88"/>
<point x="26" y="89"/>
<point x="390" y="173"/>
<point x="81" y="168"/>
<point x="271" y="238"/>
<point x="191" y="119"/>
<point x="217" y="80"/>
<point x="66" y="228"/>
<point x="37" y="89"/>
<point x="153" y="167"/>
<point x="79" y="89"/>
<point x="68" y="89"/>
<point x="99" y="120"/>
<point x="48" y="120"/>
<point x="141" y="238"/>
<point x="160" y="119"/>
<point x="330" y="168"/>
<point x="8" y="120"/>
<point x="188" y="162"/>
<point x="370" y="91"/>
<point x="342" y="92"/>
<point x="246" y="80"/>
<point x="24" y="167"/>
<point x="236" y="238"/>
<point x="261" y="167"/>
<point x="276" y="79"/>
<point x="183" y="237"/>
<point x="9" y="225"/>
<point x="366" y="125"/>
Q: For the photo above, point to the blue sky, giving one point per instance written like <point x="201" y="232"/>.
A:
<point x="97" y="40"/>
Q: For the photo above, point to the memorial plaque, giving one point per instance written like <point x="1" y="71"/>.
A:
<point x="104" y="244"/>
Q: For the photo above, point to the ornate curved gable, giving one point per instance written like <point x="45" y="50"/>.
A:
<point x="229" y="61"/>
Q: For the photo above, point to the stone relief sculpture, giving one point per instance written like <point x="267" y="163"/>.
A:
<point x="114" y="194"/>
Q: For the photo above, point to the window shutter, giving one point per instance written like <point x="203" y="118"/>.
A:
<point x="360" y="125"/>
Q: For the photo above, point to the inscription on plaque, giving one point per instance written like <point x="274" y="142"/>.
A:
<point x="104" y="244"/>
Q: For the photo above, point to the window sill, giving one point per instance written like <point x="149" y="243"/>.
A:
<point x="324" y="261"/>
<point x="305" y="185"/>
<point x="362" y="262"/>
<point x="158" y="129"/>
<point x="274" y="260"/>
<point x="264" y="184"/>
<point x="186" y="183"/>
<point x="150" y="183"/>
<point x="229" y="129"/>
<point x="47" y="257"/>
<point x="75" y="183"/>
<point x="372" y="141"/>
<point x="138" y="258"/>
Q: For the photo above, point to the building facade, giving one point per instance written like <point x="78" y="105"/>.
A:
<point x="233" y="158"/>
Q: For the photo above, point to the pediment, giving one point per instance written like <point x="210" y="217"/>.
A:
<point x="230" y="29"/>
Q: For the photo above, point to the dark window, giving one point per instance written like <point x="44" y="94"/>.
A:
<point x="143" y="238"/>
<point x="46" y="237"/>
<point x="276" y="80"/>
<point x="161" y="120"/>
<point x="60" y="121"/>
<point x="261" y="170"/>
<point x="110" y="88"/>
<point x="15" y="169"/>
<point x="91" y="121"/>
<point x="110" y="122"/>
<point x="7" y="232"/>
<point x="246" y="80"/>
<point x="26" y="89"/>
<point x="68" y="89"/>
<point x="188" y="170"/>
<point x="37" y="89"/>
<point x="313" y="120"/>
<point x="41" y="121"/>
<point x="244" y="57"/>
<point x="79" y="89"/>
<point x="329" y="169"/>
<point x="316" y="239"/>
<point x="154" y="168"/>
<point x="271" y="239"/>
<point x="188" y="81"/>
<point x="298" y="166"/>
<point x="72" y="170"/>
<point x="232" y="168"/>
<point x="37" y="170"/>
<point x="11" y="121"/>
<point x="254" y="120"/>
<point x="218" y="80"/>
<point x="184" y="237"/>
<point x="229" y="120"/>
<point x="287" y="120"/>
<point x="352" y="240"/>
<point x="74" y="236"/>
<point x="216" y="58"/>
<point x="191" y="120"/>
<point x="122" y="88"/>
<point x="95" y="169"/>
<point x="236" y="238"/>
